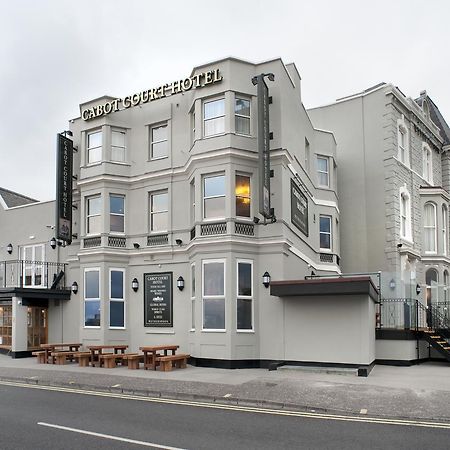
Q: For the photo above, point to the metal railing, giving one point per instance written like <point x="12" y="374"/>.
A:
<point x="32" y="274"/>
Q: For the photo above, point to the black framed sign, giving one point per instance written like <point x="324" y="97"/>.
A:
<point x="299" y="208"/>
<point x="158" y="299"/>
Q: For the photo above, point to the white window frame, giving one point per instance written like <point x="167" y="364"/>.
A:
<point x="85" y="299"/>
<point x="326" y="250"/>
<point x="88" y="149"/>
<point x="214" y="175"/>
<point x="214" y="297"/>
<point x="33" y="264"/>
<point x="193" y="295"/>
<point x="307" y="155"/>
<point x="88" y="216"/>
<point x="239" y="97"/>
<point x="117" y="214"/>
<point x="430" y="227"/>
<point x="405" y="214"/>
<point x="245" y="297"/>
<point x="444" y="229"/>
<point x="327" y="172"/>
<point x="246" y="175"/>
<point x="212" y="100"/>
<point x="402" y="141"/>
<point x="152" y="213"/>
<point x="154" y="127"/>
<point x="117" y="300"/>
<point x="427" y="159"/>
<point x="124" y="148"/>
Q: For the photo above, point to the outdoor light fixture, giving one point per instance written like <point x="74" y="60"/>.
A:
<point x="418" y="289"/>
<point x="9" y="248"/>
<point x="266" y="279"/>
<point x="67" y="133"/>
<point x="392" y="284"/>
<point x="178" y="241"/>
<point x="180" y="283"/>
<point x="136" y="245"/>
<point x="74" y="287"/>
<point x="256" y="220"/>
<point x="53" y="243"/>
<point x="135" y="285"/>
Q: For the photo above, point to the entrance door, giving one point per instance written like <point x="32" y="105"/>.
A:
<point x="37" y="326"/>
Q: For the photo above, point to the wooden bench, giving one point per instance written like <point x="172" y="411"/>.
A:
<point x="167" y="362"/>
<point x="133" y="360"/>
<point x="83" y="358"/>
<point x="110" y="359"/>
<point x="61" y="357"/>
<point x="40" y="356"/>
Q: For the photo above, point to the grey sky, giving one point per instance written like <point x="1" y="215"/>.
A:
<point x="56" y="54"/>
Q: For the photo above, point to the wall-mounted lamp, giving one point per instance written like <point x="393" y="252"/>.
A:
<point x="178" y="242"/>
<point x="74" y="287"/>
<point x="136" y="245"/>
<point x="135" y="285"/>
<point x="180" y="283"/>
<point x="399" y="245"/>
<point x="53" y="243"/>
<point x="392" y="284"/>
<point x="67" y="133"/>
<point x="256" y="220"/>
<point x="266" y="279"/>
<point x="9" y="248"/>
<point x="418" y="289"/>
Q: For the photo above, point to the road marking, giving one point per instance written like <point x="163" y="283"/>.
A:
<point x="279" y="412"/>
<point x="227" y="395"/>
<point x="115" y="385"/>
<point x="108" y="436"/>
<point x="363" y="411"/>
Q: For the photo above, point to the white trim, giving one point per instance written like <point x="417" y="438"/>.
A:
<point x="118" y="300"/>
<point x="310" y="262"/>
<point x="435" y="251"/>
<point x="193" y="297"/>
<point x="403" y="192"/>
<point x="245" y="297"/>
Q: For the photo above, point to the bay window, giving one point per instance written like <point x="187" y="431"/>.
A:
<point x="159" y="211"/>
<point x="243" y="199"/>
<point x="213" y="295"/>
<point x="323" y="175"/>
<point x="93" y="215"/>
<point x="214" y="196"/>
<point x="116" y="298"/>
<point x="214" y="117"/>
<point x="118" y="148"/>
<point x="117" y="213"/>
<point x="244" y="302"/>
<point x="242" y="116"/>
<point x="94" y="147"/>
<point x="325" y="232"/>
<point x="92" y="297"/>
<point x="429" y="227"/>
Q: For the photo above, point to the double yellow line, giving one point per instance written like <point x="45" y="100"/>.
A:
<point x="249" y="409"/>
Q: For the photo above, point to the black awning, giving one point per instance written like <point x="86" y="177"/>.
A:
<point x="324" y="287"/>
<point x="35" y="293"/>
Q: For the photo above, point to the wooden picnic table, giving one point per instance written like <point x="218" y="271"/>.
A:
<point x="151" y="352"/>
<point x="97" y="350"/>
<point x="49" y="348"/>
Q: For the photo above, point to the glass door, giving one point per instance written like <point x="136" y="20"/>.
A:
<point x="32" y="265"/>
<point x="37" y="326"/>
<point x="5" y="326"/>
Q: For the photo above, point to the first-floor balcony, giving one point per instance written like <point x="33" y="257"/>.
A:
<point x="32" y="274"/>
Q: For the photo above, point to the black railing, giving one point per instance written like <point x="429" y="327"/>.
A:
<point x="32" y="274"/>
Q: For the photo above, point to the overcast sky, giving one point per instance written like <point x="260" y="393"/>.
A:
<point x="56" y="54"/>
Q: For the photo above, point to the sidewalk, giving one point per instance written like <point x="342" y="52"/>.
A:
<point x="420" y="392"/>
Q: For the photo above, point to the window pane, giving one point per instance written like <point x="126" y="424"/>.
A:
<point x="214" y="314"/>
<point x="118" y="139"/>
<point x="118" y="154"/>
<point x="116" y="204"/>
<point x="242" y="191"/>
<point x="242" y="107"/>
<point x="214" y="109"/>
<point x="159" y="221"/>
<point x="214" y="279"/>
<point x="242" y="207"/>
<point x="192" y="281"/>
<point x="325" y="241"/>
<point x="159" y="133"/>
<point x="244" y="279"/>
<point x="95" y="155"/>
<point x="116" y="284"/>
<point x="92" y="288"/>
<point x="117" y="223"/>
<point x="242" y="125"/>
<point x="160" y="149"/>
<point x="214" y="186"/>
<point x="116" y="314"/>
<point x="325" y="225"/>
<point x="215" y="126"/>
<point x="214" y="207"/>
<point x="94" y="225"/>
<point x="244" y="314"/>
<point x="92" y="313"/>
<point x="322" y="164"/>
<point x="160" y="202"/>
<point x="193" y="314"/>
<point x="94" y="205"/>
<point x="95" y="139"/>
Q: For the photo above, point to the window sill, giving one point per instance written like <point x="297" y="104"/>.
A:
<point x="158" y="159"/>
<point x="213" y="331"/>
<point x="326" y="250"/>
<point x="92" y="328"/>
<point x="117" y="328"/>
<point x="245" y="331"/>
<point x="214" y="135"/>
<point x="160" y="332"/>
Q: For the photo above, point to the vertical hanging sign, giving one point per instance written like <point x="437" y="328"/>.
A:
<point x="64" y="161"/>
<point x="263" y="144"/>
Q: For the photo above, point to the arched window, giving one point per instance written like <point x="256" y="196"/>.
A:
<point x="402" y="142"/>
<point x="427" y="163"/>
<point x="444" y="229"/>
<point x="429" y="228"/>
<point x="405" y="214"/>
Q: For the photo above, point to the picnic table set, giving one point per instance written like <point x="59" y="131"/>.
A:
<point x="163" y="356"/>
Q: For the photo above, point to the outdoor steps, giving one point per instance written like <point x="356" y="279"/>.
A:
<point x="438" y="343"/>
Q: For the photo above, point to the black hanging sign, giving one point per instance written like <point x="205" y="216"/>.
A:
<point x="158" y="300"/>
<point x="299" y="208"/>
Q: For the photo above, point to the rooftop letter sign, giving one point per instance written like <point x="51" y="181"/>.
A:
<point x="195" y="82"/>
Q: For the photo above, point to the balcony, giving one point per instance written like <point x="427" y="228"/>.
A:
<point x="32" y="274"/>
